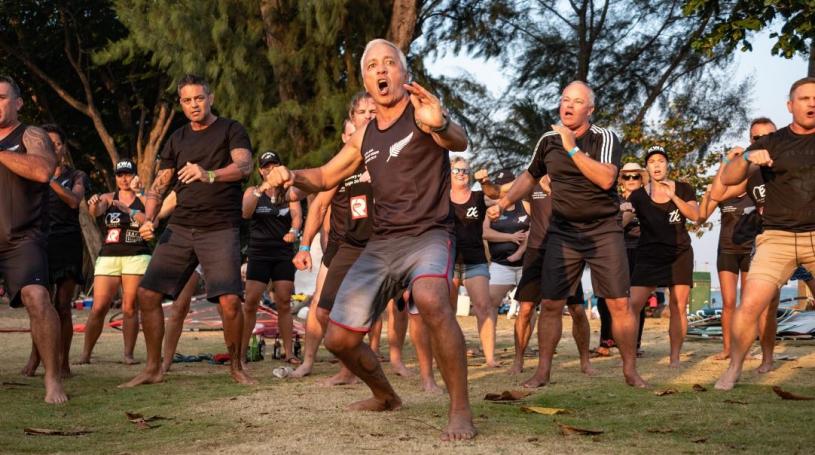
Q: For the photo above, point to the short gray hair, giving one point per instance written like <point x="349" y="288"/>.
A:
<point x="587" y="86"/>
<point x="374" y="42"/>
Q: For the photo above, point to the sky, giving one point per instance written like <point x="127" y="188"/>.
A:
<point x="772" y="78"/>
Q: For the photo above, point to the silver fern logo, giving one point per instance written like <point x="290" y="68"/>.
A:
<point x="396" y="148"/>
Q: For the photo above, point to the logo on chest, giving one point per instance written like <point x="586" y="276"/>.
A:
<point x="674" y="217"/>
<point x="359" y="207"/>
<point x="472" y="213"/>
<point x="113" y="219"/>
<point x="759" y="193"/>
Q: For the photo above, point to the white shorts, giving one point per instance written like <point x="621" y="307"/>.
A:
<point x="505" y="275"/>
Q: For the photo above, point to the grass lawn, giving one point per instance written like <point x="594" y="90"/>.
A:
<point x="205" y="411"/>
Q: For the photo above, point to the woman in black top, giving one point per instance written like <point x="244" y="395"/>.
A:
<point x="664" y="254"/>
<point x="122" y="260"/>
<point x="506" y="237"/>
<point x="471" y="269"/>
<point x="274" y="229"/>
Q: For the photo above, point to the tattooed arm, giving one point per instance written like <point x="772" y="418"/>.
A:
<point x="38" y="163"/>
<point x="74" y="196"/>
<point x="237" y="170"/>
<point x="156" y="192"/>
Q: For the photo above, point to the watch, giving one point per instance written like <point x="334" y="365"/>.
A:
<point x="211" y="176"/>
<point x="444" y="125"/>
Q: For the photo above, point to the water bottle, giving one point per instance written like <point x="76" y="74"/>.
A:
<point x="276" y="352"/>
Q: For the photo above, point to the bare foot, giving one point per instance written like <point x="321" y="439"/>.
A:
<point x="536" y="381"/>
<point x="83" y="361"/>
<point x="635" y="380"/>
<point x="66" y="373"/>
<point x="724" y="355"/>
<point x="765" y="367"/>
<point x="429" y="386"/>
<point x="376" y="405"/>
<point x="517" y="368"/>
<point x="728" y="379"/>
<point x="492" y="364"/>
<point x="302" y="371"/>
<point x="129" y="360"/>
<point x="241" y="377"/>
<point x="674" y="364"/>
<point x="341" y="378"/>
<point x="29" y="370"/>
<point x="400" y="369"/>
<point x="587" y="369"/>
<point x="54" y="393"/>
<point x="145" y="377"/>
<point x="459" y="427"/>
<point x="165" y="368"/>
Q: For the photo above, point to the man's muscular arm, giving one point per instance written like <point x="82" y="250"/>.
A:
<point x="154" y="195"/>
<point x="237" y="170"/>
<point x="38" y="163"/>
<point x="71" y="197"/>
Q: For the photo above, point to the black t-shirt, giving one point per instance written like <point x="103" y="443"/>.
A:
<point x="750" y="225"/>
<point x="470" y="229"/>
<point x="62" y="218"/>
<point x="359" y="200"/>
<point x="540" y="205"/>
<point x="790" y="182"/>
<point x="410" y="175"/>
<point x="23" y="202"/>
<point x="632" y="230"/>
<point x="339" y="214"/>
<point x="733" y="211"/>
<point x="268" y="225"/>
<point x="122" y="236"/>
<point x="578" y="205"/>
<point x="210" y="206"/>
<point x="756" y="189"/>
<point x="663" y="230"/>
<point x="510" y="222"/>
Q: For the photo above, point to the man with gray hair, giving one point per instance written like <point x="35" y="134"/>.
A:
<point x="581" y="160"/>
<point x="405" y="149"/>
<point x="27" y="162"/>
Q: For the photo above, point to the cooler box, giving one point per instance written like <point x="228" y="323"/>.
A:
<point x="700" y="294"/>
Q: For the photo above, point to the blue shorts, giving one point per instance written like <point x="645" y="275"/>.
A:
<point x="385" y="267"/>
<point x="467" y="271"/>
<point x="801" y="273"/>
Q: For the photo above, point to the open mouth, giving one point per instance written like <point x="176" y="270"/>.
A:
<point x="382" y="85"/>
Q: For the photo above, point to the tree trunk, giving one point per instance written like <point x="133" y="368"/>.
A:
<point x="403" y="23"/>
<point x="811" y="71"/>
<point x="90" y="232"/>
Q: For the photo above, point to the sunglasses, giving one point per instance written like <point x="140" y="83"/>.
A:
<point x="758" y="136"/>
<point x="631" y="177"/>
<point x="458" y="170"/>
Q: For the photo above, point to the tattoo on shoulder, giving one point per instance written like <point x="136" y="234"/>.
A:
<point x="38" y="143"/>
<point x="243" y="159"/>
<point x="160" y="184"/>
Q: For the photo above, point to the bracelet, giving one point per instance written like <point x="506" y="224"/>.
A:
<point x="256" y="192"/>
<point x="304" y="248"/>
<point x="294" y="231"/>
<point x="133" y="213"/>
<point x="211" y="176"/>
<point x="745" y="156"/>
<point x="443" y="126"/>
<point x="573" y="151"/>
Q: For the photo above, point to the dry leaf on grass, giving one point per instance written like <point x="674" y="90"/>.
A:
<point x="735" y="402"/>
<point x="15" y="384"/>
<point x="789" y="395"/>
<point x="662" y="393"/>
<point x="699" y="440"/>
<point x="660" y="430"/>
<point x="141" y="422"/>
<point x="507" y="395"/>
<point x="50" y="432"/>
<point x="542" y="410"/>
<point x="699" y="388"/>
<point x="568" y="430"/>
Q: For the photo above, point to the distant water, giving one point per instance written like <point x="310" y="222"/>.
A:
<point x="787" y="292"/>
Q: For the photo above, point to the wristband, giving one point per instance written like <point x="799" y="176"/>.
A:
<point x="745" y="155"/>
<point x="305" y="248"/>
<point x="573" y="151"/>
<point x="133" y="213"/>
<point x="444" y="125"/>
<point x="295" y="232"/>
<point x="211" y="176"/>
<point x="257" y="193"/>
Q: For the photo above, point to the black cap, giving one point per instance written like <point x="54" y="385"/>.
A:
<point x="656" y="150"/>
<point x="503" y="177"/>
<point x="269" y="158"/>
<point x="124" y="167"/>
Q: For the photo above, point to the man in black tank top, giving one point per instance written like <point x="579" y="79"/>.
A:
<point x="209" y="157"/>
<point x="27" y="163"/>
<point x="406" y="152"/>
<point x="582" y="161"/>
<point x="787" y="162"/>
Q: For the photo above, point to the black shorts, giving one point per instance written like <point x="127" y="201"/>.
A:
<point x="529" y="287"/>
<point x="265" y="270"/>
<point x="330" y="251"/>
<point x="180" y="249"/>
<point x="602" y="249"/>
<point x="733" y="262"/>
<point x="342" y="261"/>
<point x="23" y="263"/>
<point x="655" y="269"/>
<point x="65" y="257"/>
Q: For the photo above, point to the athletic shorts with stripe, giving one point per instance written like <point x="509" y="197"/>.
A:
<point x="384" y="268"/>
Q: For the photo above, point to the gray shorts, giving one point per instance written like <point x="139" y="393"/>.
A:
<point x="384" y="268"/>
